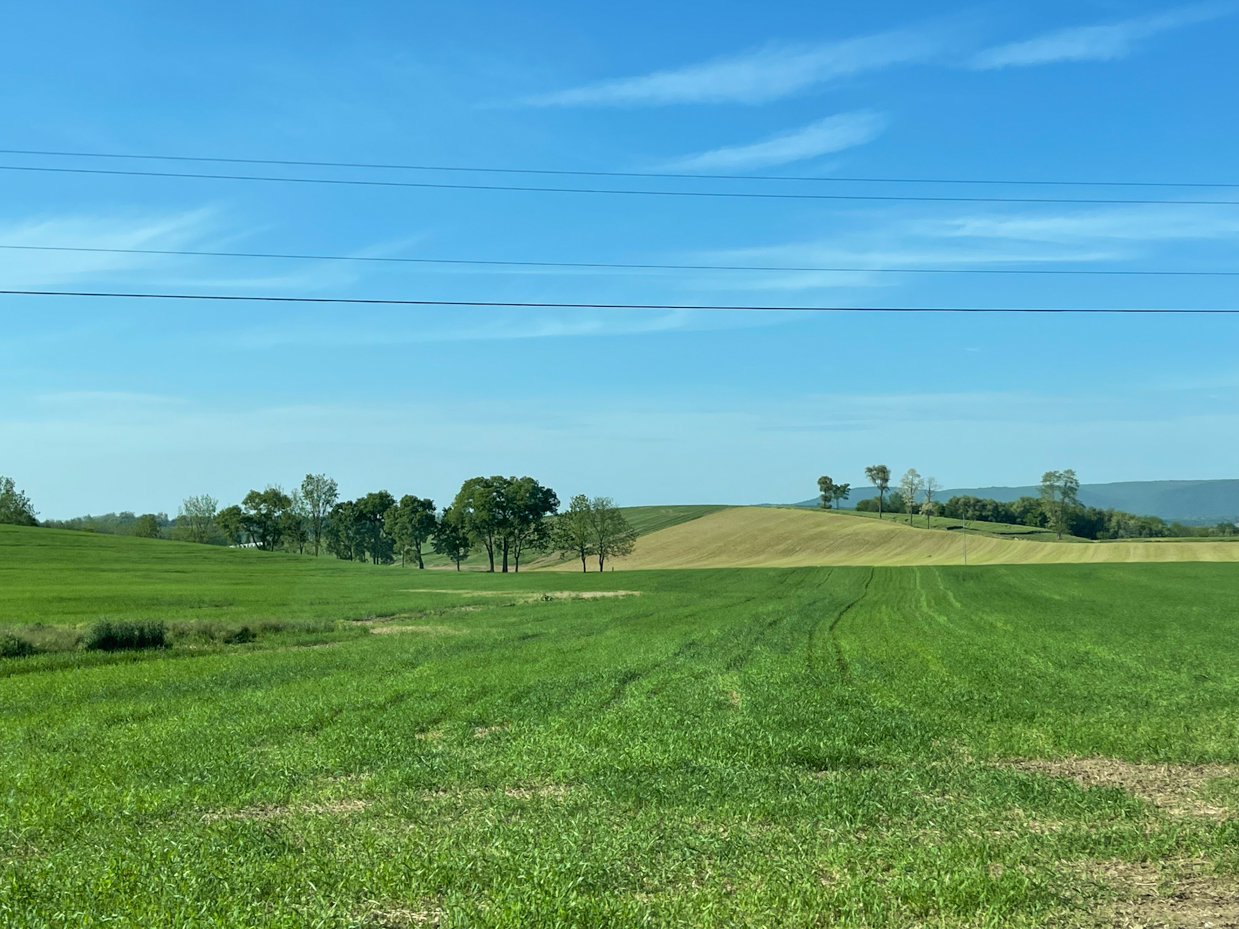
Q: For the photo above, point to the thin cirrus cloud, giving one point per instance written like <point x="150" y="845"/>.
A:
<point x="755" y="77"/>
<point x="832" y="134"/>
<point x="1096" y="43"/>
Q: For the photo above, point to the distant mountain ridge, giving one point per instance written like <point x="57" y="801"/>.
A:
<point x="1189" y="502"/>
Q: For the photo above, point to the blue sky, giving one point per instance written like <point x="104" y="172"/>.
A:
<point x="129" y="404"/>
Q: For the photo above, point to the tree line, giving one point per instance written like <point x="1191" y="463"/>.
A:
<point x="1056" y="508"/>
<point x="505" y="518"/>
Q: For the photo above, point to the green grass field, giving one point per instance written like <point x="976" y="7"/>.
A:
<point x="763" y="747"/>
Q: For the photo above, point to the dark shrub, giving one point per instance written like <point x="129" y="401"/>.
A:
<point x="13" y="647"/>
<point x="115" y="635"/>
<point x="240" y="636"/>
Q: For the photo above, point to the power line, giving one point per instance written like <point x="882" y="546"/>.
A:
<point x="639" y="174"/>
<point x="610" y="266"/>
<point x="707" y="194"/>
<point x="497" y="304"/>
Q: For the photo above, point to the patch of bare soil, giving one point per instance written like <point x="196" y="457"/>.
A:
<point x="1180" y="895"/>
<point x="1173" y="787"/>
<point x="335" y="808"/>
<point x="399" y="917"/>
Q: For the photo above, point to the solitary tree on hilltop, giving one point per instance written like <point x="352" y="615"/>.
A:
<point x="1060" y="491"/>
<point x="932" y="486"/>
<point x="826" y="491"/>
<point x="910" y="485"/>
<point x="880" y="477"/>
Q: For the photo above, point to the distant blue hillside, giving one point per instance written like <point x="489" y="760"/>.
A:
<point x="1191" y="502"/>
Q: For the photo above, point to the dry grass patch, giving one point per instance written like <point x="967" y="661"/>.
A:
<point x="584" y="594"/>
<point x="424" y="630"/>
<point x="1173" y="895"/>
<point x="481" y="732"/>
<point x="1175" y="788"/>
<point x="523" y="792"/>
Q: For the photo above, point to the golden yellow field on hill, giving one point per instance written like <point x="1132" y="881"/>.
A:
<point x="768" y="537"/>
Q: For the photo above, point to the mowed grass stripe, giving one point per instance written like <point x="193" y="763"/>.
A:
<point x="784" y="537"/>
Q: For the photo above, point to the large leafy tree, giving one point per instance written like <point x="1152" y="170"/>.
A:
<point x="613" y="536"/>
<point x="147" y="526"/>
<point x="320" y="494"/>
<point x="530" y="506"/>
<point x="231" y="522"/>
<point x="1060" y="495"/>
<point x="451" y="538"/>
<point x="880" y="477"/>
<point x="481" y="506"/>
<point x="831" y="493"/>
<point x="296" y="529"/>
<point x="574" y="530"/>
<point x="343" y="536"/>
<point x="262" y="516"/>
<point x="196" y="520"/>
<point x="826" y="490"/>
<point x="371" y="511"/>
<point x="410" y="525"/>
<point x="15" y="507"/>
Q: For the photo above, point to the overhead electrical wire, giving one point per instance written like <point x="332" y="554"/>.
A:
<point x="694" y="194"/>
<point x="637" y="174"/>
<point x="522" y="304"/>
<point x="612" y="266"/>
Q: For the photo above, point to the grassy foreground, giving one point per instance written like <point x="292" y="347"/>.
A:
<point x="800" y="747"/>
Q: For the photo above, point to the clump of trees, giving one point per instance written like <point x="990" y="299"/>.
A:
<point x="830" y="493"/>
<point x="593" y="528"/>
<point x="508" y="518"/>
<point x="126" y="522"/>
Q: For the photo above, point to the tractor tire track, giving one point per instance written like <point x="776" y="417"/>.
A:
<point x="841" y="665"/>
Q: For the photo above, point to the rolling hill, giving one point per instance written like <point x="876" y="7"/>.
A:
<point x="790" y="537"/>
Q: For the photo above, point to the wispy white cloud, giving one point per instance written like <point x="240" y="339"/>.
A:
<point x="971" y="240"/>
<point x="832" y="134"/>
<point x="20" y="268"/>
<point x="1096" y="43"/>
<point x="755" y="77"/>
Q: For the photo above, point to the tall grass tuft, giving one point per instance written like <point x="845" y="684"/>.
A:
<point x="12" y="646"/>
<point x="109" y="635"/>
